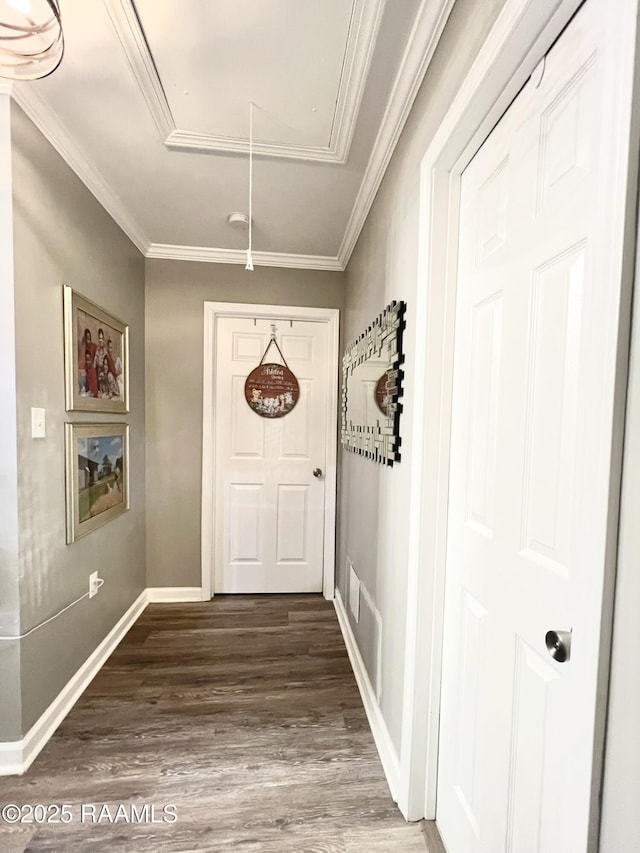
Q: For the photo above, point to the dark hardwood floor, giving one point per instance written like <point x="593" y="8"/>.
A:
<point x="244" y="714"/>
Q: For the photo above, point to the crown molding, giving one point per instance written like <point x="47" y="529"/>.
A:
<point x="186" y="140"/>
<point x="136" y="50"/>
<point x="363" y="35"/>
<point x="47" y="123"/>
<point x="425" y="35"/>
<point x="239" y="256"/>
<point x="361" y="39"/>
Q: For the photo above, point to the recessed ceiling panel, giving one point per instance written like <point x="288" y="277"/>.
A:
<point x="287" y="56"/>
<point x="170" y="174"/>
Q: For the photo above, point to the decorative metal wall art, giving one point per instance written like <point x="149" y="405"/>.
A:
<point x="271" y="389"/>
<point x="372" y="388"/>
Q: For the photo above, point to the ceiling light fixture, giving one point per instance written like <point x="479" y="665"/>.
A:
<point x="31" y="38"/>
<point x="249" y="265"/>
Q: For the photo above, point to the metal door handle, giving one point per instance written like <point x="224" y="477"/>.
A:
<point x="317" y="472"/>
<point x="559" y="645"/>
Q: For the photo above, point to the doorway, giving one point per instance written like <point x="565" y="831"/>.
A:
<point x="268" y="509"/>
<point x="529" y="490"/>
<point x="608" y="260"/>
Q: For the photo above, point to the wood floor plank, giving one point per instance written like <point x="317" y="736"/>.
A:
<point x="432" y="837"/>
<point x="243" y="713"/>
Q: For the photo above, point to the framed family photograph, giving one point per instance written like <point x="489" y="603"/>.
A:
<point x="96" y="352"/>
<point x="97" y="475"/>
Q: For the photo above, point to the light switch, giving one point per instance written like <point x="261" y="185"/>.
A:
<point x="37" y="423"/>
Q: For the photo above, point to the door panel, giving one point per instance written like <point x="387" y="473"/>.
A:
<point x="485" y="392"/>
<point x="552" y="370"/>
<point x="296" y="430"/>
<point x="246" y="512"/>
<point x="473" y="640"/>
<point x="292" y="534"/>
<point x="534" y="678"/>
<point x="247" y="436"/>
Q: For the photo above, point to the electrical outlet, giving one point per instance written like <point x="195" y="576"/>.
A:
<point x="94" y="586"/>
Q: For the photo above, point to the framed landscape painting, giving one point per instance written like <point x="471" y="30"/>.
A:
<point x="97" y="475"/>
<point x="96" y="354"/>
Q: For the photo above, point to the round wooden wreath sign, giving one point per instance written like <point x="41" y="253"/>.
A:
<point x="271" y="390"/>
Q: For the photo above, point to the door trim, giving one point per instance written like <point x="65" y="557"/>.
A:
<point x="521" y="36"/>
<point x="213" y="311"/>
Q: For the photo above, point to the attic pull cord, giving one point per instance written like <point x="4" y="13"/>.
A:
<point x="249" y="265"/>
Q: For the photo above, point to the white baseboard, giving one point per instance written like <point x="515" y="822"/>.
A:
<point x="11" y="758"/>
<point x="16" y="757"/>
<point x="176" y="594"/>
<point x="381" y="736"/>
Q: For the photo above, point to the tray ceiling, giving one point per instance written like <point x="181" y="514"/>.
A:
<point x="313" y="60"/>
<point x="151" y="109"/>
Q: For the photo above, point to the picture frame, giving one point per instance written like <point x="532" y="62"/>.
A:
<point x="96" y="354"/>
<point x="97" y="475"/>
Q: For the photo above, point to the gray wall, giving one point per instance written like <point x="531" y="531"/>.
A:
<point x="175" y="295"/>
<point x="62" y="235"/>
<point x="10" y="704"/>
<point x="620" y="829"/>
<point x="373" y="518"/>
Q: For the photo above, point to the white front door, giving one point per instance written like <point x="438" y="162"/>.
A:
<point x="533" y="411"/>
<point x="270" y="507"/>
